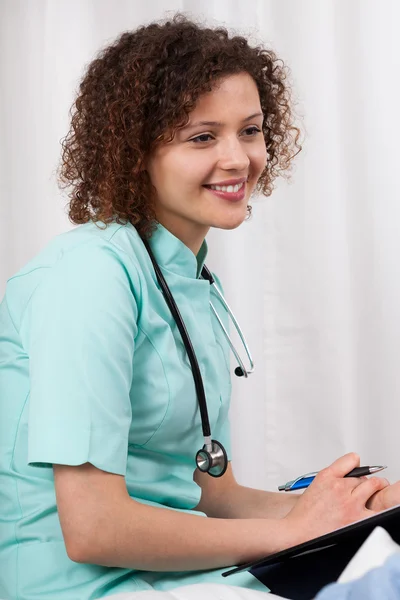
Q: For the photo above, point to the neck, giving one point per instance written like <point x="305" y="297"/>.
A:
<point x="192" y="236"/>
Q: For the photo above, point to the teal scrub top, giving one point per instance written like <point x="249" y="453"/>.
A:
<point x="93" y="369"/>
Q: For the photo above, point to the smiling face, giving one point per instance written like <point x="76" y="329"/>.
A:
<point x="233" y="148"/>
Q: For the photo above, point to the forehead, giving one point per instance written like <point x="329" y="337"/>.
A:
<point x="232" y="100"/>
<point x="234" y="94"/>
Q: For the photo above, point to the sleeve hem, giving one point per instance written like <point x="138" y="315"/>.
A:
<point x="107" y="451"/>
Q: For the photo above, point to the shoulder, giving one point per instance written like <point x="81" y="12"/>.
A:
<point x="88" y="260"/>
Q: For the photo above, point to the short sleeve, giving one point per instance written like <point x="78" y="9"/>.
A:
<point x="80" y="330"/>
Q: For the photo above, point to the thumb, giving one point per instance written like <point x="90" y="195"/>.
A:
<point x="343" y="465"/>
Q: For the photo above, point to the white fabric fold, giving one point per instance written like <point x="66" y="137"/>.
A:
<point x="201" y="591"/>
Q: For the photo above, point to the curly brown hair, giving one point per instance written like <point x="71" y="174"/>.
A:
<point x="134" y="96"/>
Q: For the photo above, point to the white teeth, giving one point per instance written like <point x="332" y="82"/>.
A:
<point x="228" y="188"/>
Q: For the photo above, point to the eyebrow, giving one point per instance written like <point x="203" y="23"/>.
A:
<point x="218" y="123"/>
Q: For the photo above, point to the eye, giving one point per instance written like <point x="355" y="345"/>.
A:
<point x="198" y="139"/>
<point x="253" y="130"/>
<point x="201" y="139"/>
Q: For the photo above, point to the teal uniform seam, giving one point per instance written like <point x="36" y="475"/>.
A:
<point x="169" y="391"/>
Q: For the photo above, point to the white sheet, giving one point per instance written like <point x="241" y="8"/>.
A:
<point x="200" y="591"/>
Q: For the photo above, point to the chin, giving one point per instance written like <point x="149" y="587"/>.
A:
<point x="229" y="224"/>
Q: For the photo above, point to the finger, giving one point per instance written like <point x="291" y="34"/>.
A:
<point x="368" y="488"/>
<point x="384" y="482"/>
<point x="356" y="481"/>
<point x="343" y="465"/>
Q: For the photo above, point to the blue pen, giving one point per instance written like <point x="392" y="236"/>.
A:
<point x="305" y="480"/>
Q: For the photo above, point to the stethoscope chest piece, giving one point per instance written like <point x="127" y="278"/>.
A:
<point x="213" y="461"/>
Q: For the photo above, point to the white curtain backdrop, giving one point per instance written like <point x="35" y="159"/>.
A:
<point x="314" y="276"/>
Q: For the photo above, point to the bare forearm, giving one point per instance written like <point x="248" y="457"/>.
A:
<point x="240" y="502"/>
<point x="148" y="538"/>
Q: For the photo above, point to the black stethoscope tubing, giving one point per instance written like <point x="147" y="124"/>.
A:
<point x="198" y="381"/>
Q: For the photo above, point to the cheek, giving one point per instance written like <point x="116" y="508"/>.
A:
<point x="192" y="171"/>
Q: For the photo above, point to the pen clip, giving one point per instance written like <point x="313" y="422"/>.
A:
<point x="288" y="486"/>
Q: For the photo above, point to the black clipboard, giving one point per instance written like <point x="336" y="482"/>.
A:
<point x="301" y="571"/>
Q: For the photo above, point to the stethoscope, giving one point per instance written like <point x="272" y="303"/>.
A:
<point x="212" y="458"/>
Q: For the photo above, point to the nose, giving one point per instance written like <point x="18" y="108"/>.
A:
<point x="233" y="156"/>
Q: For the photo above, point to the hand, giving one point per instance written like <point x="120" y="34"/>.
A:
<point x="385" y="498"/>
<point x="333" y="501"/>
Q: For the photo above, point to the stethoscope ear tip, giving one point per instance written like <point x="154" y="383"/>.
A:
<point x="239" y="371"/>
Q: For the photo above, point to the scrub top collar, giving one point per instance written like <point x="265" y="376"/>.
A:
<point x="172" y="254"/>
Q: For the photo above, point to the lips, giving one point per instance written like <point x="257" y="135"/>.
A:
<point x="230" y="196"/>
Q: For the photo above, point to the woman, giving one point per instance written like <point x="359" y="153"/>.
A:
<point x="175" y="126"/>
